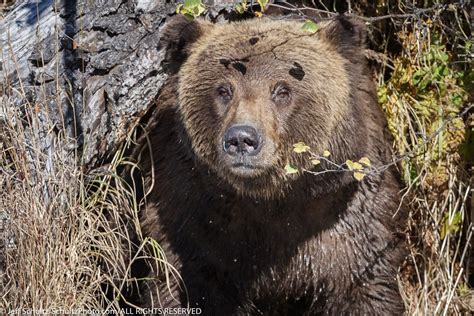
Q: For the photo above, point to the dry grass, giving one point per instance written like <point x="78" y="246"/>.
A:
<point x="73" y="235"/>
<point x="68" y="231"/>
<point x="428" y="115"/>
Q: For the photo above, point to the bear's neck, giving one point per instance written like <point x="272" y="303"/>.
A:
<point x="308" y="199"/>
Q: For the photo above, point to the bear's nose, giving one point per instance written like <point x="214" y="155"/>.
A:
<point x="241" y="140"/>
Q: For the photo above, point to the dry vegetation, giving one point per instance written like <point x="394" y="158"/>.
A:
<point x="429" y="110"/>
<point x="66" y="236"/>
<point x="62" y="230"/>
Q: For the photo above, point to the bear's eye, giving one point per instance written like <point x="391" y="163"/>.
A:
<point x="225" y="93"/>
<point x="281" y="94"/>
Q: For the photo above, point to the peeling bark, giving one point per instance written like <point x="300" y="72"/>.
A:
<point x="91" y="68"/>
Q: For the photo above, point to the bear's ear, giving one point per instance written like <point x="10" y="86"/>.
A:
<point x="177" y="37"/>
<point x="348" y="35"/>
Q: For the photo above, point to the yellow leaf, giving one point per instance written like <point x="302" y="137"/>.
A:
<point x="290" y="169"/>
<point x="258" y="14"/>
<point x="365" y="161"/>
<point x="353" y="165"/>
<point x="315" y="162"/>
<point x="350" y="164"/>
<point x="326" y="153"/>
<point x="300" y="147"/>
<point x="359" y="176"/>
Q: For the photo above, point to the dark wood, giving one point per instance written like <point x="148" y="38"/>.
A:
<point x="91" y="68"/>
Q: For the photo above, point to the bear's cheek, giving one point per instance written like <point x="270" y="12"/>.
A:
<point x="201" y="124"/>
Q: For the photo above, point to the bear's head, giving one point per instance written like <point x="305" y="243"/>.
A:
<point x="247" y="91"/>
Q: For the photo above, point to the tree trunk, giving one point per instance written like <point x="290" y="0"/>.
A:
<point x="81" y="73"/>
<point x="90" y="68"/>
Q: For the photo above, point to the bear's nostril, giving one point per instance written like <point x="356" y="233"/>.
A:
<point x="249" y="142"/>
<point x="241" y="140"/>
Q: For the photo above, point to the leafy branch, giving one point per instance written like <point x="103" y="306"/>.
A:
<point x="191" y="8"/>
<point x="364" y="167"/>
<point x="359" y="168"/>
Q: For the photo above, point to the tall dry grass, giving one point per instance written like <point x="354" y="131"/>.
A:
<point x="68" y="231"/>
<point x="71" y="236"/>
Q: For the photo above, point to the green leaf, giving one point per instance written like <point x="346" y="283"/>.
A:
<point x="444" y="71"/>
<point x="418" y="76"/>
<point x="457" y="99"/>
<point x="191" y="8"/>
<point x="443" y="56"/>
<point x="189" y="16"/>
<point x="452" y="225"/>
<point x="315" y="162"/>
<point x="290" y="169"/>
<point x="198" y="10"/>
<point x="326" y="153"/>
<point x="239" y="9"/>
<point x="424" y="83"/>
<point x="310" y="27"/>
<point x="188" y="4"/>
<point x="300" y="148"/>
<point x="263" y="4"/>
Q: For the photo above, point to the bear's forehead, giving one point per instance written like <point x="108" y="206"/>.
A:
<point x="264" y="49"/>
<point x="254" y="38"/>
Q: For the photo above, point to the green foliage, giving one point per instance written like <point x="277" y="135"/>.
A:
<point x="463" y="289"/>
<point x="310" y="26"/>
<point x="191" y="8"/>
<point x="263" y="4"/>
<point x="435" y="73"/>
<point x="451" y="224"/>
<point x="241" y="7"/>
<point x="290" y="169"/>
<point x="423" y="98"/>
<point x="427" y="91"/>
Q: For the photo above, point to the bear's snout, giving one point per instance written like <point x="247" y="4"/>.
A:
<point x="242" y="140"/>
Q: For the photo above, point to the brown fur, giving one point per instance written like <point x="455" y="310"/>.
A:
<point x="261" y="242"/>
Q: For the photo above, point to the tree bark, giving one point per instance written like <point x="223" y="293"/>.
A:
<point x="90" y="68"/>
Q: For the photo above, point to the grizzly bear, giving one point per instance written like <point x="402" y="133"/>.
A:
<point x="242" y="235"/>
